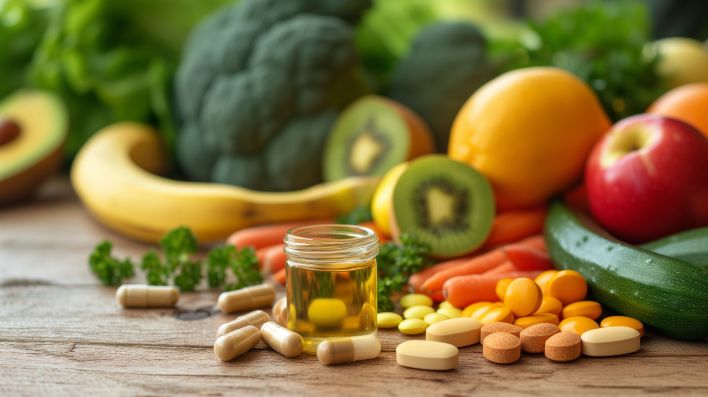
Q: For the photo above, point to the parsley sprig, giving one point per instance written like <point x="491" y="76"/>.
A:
<point x="396" y="262"/>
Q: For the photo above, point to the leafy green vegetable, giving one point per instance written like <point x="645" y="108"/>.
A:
<point x="242" y="263"/>
<point x="259" y="87"/>
<point x="22" y="23"/>
<point x="602" y="43"/>
<point x="178" y="246"/>
<point x="395" y="264"/>
<point x="110" y="270"/>
<point x="356" y="216"/>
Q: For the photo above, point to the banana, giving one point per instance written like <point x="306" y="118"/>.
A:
<point x="115" y="176"/>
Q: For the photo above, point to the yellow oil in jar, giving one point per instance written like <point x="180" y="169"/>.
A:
<point x="338" y="301"/>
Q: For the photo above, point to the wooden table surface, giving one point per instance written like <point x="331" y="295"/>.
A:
<point x="62" y="333"/>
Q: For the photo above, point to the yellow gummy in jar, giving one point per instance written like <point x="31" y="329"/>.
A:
<point x="327" y="312"/>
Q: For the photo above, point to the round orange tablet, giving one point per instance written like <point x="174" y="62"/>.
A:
<point x="589" y="309"/>
<point x="551" y="305"/>
<point x="502" y="285"/>
<point x="568" y="286"/>
<point x="523" y="296"/>
<point x="540" y="318"/>
<point x="543" y="279"/>
<point x="577" y="325"/>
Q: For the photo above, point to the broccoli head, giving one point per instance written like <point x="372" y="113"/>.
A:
<point x="446" y="64"/>
<point x="259" y="86"/>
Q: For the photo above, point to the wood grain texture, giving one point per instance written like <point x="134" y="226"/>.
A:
<point x="61" y="333"/>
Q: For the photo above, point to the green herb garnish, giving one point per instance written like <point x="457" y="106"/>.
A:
<point x="242" y="263"/>
<point x="110" y="270"/>
<point x="356" y="216"/>
<point x="396" y="262"/>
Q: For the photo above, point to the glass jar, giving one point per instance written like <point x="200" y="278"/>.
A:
<point x="331" y="288"/>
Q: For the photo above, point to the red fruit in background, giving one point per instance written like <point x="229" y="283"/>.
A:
<point x="648" y="177"/>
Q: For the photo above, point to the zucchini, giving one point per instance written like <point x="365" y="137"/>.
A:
<point x="666" y="293"/>
<point x="690" y="246"/>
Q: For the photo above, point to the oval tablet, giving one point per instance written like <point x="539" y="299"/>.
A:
<point x="539" y="318"/>
<point x="450" y="312"/>
<point x="425" y="354"/>
<point x="235" y="343"/>
<point x="419" y="311"/>
<point x="248" y="298"/>
<point x="255" y="318"/>
<point x="496" y="314"/>
<point x="281" y="339"/>
<point x="388" y="319"/>
<point x="433" y="318"/>
<point x="550" y="305"/>
<point x="589" y="309"/>
<point x="445" y="304"/>
<point x="462" y="331"/>
<point x="615" y="321"/>
<point x="610" y="341"/>
<point x="146" y="296"/>
<point x="415" y="300"/>
<point x="578" y="325"/>
<point x="412" y="326"/>
<point x="543" y="279"/>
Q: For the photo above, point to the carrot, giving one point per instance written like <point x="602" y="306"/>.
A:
<point x="527" y="258"/>
<point x="465" y="290"/>
<point x="474" y="265"/>
<point x="272" y="258"/>
<point x="512" y="226"/>
<point x="416" y="280"/>
<point x="504" y="267"/>
<point x="383" y="237"/>
<point x="264" y="236"/>
<point x="280" y="276"/>
<point x="536" y="242"/>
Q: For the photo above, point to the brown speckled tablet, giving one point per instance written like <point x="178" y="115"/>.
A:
<point x="502" y="348"/>
<point x="563" y="346"/>
<point x="533" y="338"/>
<point x="492" y="328"/>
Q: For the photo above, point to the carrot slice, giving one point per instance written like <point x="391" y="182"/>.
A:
<point x="474" y="265"/>
<point x="416" y="280"/>
<point x="512" y="226"/>
<point x="264" y="236"/>
<point x="272" y="258"/>
<point x="465" y="290"/>
<point x="527" y="258"/>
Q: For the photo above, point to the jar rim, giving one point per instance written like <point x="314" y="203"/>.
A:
<point x="330" y="243"/>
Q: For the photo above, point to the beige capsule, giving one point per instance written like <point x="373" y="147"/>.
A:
<point x="145" y="296"/>
<point x="281" y="339"/>
<point x="347" y="350"/>
<point x="235" y="343"/>
<point x="255" y="318"/>
<point x="248" y="298"/>
<point x="280" y="311"/>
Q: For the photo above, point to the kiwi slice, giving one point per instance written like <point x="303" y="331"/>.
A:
<point x="371" y="136"/>
<point x="445" y="204"/>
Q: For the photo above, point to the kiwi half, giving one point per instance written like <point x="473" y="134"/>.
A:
<point x="445" y="204"/>
<point x="371" y="136"/>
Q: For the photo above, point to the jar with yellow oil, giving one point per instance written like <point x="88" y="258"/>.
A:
<point x="331" y="288"/>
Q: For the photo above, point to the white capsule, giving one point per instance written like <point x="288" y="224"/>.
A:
<point x="140" y="295"/>
<point x="248" y="298"/>
<point x="347" y="350"/>
<point x="255" y="318"/>
<point x="235" y="343"/>
<point x="281" y="339"/>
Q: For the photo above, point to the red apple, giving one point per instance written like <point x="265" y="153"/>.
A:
<point x="648" y="177"/>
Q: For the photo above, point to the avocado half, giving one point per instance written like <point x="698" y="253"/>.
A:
<point x="33" y="128"/>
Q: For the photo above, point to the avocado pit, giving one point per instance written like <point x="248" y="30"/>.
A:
<point x="9" y="130"/>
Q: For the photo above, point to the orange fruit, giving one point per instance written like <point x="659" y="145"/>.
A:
<point x="687" y="103"/>
<point x="529" y="131"/>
